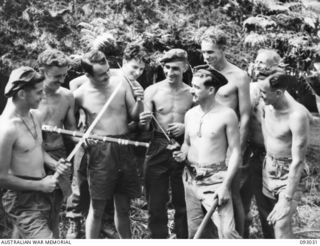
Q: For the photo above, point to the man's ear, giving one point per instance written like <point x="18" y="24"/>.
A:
<point x="279" y="92"/>
<point x="21" y="94"/>
<point x="212" y="90"/>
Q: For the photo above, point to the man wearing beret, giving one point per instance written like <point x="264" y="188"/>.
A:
<point x="166" y="103"/>
<point x="27" y="200"/>
<point x="210" y="130"/>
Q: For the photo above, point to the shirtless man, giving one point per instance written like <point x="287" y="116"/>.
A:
<point x="285" y="126"/>
<point x="266" y="63"/>
<point x="210" y="129"/>
<point x="235" y="94"/>
<point x="166" y="101"/>
<point x="111" y="171"/>
<point x="28" y="199"/>
<point x="134" y="59"/>
<point x="56" y="109"/>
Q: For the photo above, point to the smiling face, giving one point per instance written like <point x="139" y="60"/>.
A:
<point x="174" y="71"/>
<point x="54" y="77"/>
<point x="265" y="64"/>
<point x="133" y="69"/>
<point x="212" y="55"/>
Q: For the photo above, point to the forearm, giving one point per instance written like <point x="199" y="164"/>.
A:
<point x="185" y="148"/>
<point x="295" y="171"/>
<point x="137" y="109"/>
<point x="244" y="125"/>
<point x="233" y="167"/>
<point x="50" y="162"/>
<point x="11" y="182"/>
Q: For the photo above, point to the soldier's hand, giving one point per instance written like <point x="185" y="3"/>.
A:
<point x="138" y="93"/>
<point x="176" y="129"/>
<point x="145" y="117"/>
<point x="48" y="184"/>
<point x="63" y="167"/>
<point x="179" y="156"/>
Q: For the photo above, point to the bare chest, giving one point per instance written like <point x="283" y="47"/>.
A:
<point x="166" y="102"/>
<point x="276" y="127"/>
<point x="54" y="109"/>
<point x="94" y="102"/>
<point x="228" y="95"/>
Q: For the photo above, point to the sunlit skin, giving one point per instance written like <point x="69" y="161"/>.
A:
<point x="54" y="77"/>
<point x="285" y="125"/>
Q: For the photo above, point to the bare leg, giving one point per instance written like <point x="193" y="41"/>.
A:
<point x="93" y="222"/>
<point x="122" y="221"/>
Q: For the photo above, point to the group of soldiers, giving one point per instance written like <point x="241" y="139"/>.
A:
<point x="225" y="139"/>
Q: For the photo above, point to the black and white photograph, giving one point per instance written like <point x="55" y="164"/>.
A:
<point x="158" y="119"/>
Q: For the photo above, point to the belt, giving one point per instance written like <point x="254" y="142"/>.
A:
<point x="198" y="171"/>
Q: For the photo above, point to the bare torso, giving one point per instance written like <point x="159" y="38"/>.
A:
<point x="228" y="95"/>
<point x="168" y="105"/>
<point x="115" y="119"/>
<point x="276" y="129"/>
<point x="212" y="146"/>
<point x="27" y="153"/>
<point x="53" y="110"/>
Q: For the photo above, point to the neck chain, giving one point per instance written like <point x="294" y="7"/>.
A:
<point x="34" y="135"/>
<point x="201" y="121"/>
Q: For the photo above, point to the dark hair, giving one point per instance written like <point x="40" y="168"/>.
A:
<point x="52" y="57"/>
<point x="135" y="51"/>
<point x="282" y="81"/>
<point x="215" y="35"/>
<point x="212" y="77"/>
<point x="91" y="58"/>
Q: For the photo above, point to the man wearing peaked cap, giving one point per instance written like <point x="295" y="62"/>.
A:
<point x="22" y="174"/>
<point x="211" y="130"/>
<point x="166" y="103"/>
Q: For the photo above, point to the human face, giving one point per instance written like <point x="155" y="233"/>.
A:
<point x="174" y="71"/>
<point x="268" y="95"/>
<point x="100" y="74"/>
<point x="263" y="65"/>
<point x="54" y="77"/>
<point x="34" y="95"/>
<point x="198" y="90"/>
<point x="133" y="69"/>
<point x="212" y="55"/>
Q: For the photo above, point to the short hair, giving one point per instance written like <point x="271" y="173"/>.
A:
<point x="212" y="77"/>
<point x="215" y="35"/>
<point x="91" y="58"/>
<point x="273" y="55"/>
<point x="53" y="57"/>
<point x="135" y="51"/>
<point x="282" y="81"/>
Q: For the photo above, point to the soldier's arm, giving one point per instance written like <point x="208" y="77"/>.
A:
<point x="299" y="126"/>
<point x="70" y="120"/>
<point x="233" y="139"/>
<point x="244" y="108"/>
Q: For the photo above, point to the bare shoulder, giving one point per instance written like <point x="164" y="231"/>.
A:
<point x="152" y="89"/>
<point x="77" y="82"/>
<point x="192" y="112"/>
<point x="228" y="114"/>
<point x="298" y="114"/>
<point x="78" y="93"/>
<point x="242" y="77"/>
<point x="8" y="129"/>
